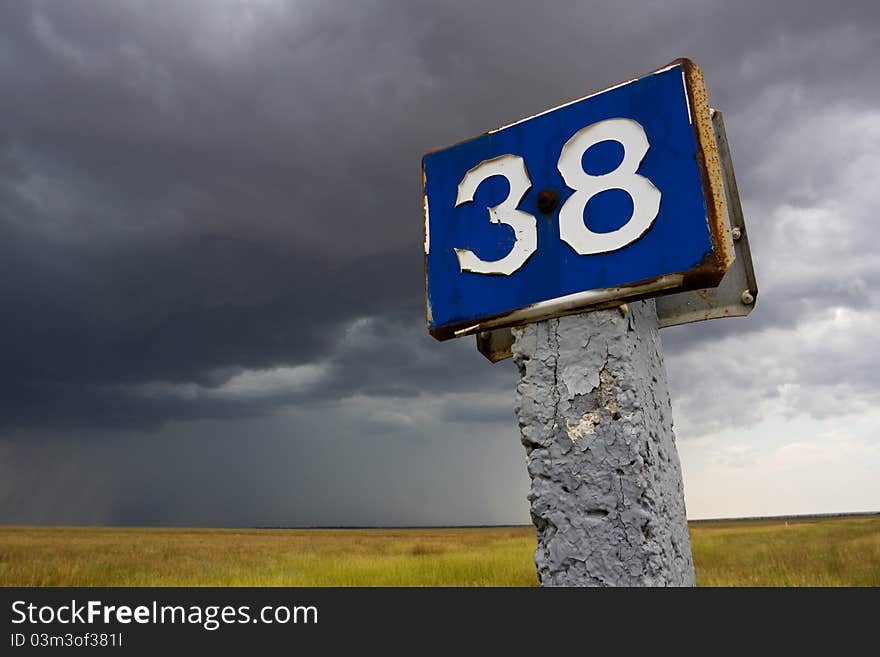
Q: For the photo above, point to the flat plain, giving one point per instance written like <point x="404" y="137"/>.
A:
<point x="840" y="551"/>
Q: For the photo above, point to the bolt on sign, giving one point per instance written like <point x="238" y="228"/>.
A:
<point x="617" y="196"/>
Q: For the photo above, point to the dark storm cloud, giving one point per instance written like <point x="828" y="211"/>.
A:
<point x="191" y="189"/>
<point x="209" y="212"/>
<point x="187" y="193"/>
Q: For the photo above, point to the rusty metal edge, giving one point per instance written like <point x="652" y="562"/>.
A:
<point x="713" y="176"/>
<point x="561" y="306"/>
<point x="573" y="304"/>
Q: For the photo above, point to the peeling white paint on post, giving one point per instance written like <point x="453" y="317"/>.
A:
<point x="606" y="495"/>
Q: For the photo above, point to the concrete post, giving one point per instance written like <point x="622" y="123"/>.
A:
<point x="594" y="413"/>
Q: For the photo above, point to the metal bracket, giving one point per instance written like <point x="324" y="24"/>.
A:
<point x="735" y="295"/>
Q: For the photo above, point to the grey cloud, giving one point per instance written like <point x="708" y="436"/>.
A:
<point x="191" y="192"/>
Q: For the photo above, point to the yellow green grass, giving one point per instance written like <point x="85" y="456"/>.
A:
<point x="805" y="552"/>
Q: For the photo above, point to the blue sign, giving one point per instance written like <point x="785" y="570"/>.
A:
<point x="612" y="197"/>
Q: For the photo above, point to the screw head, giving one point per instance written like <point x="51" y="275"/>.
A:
<point x="736" y="233"/>
<point x="548" y="199"/>
<point x="747" y="297"/>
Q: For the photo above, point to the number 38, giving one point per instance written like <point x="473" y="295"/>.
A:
<point x="572" y="230"/>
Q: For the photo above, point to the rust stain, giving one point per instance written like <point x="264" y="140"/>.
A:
<point x="711" y="172"/>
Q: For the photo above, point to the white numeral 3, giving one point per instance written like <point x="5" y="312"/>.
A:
<point x="524" y="226"/>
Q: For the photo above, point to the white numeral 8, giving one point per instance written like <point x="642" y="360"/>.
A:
<point x="645" y="197"/>
<point x="525" y="242"/>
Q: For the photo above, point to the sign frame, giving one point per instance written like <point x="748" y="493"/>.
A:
<point x="706" y="274"/>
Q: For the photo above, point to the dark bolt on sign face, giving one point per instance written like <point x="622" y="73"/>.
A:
<point x="548" y="199"/>
<point x="616" y="195"/>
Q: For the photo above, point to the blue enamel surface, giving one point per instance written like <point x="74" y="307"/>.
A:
<point x="677" y="241"/>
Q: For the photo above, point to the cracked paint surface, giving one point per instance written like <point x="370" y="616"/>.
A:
<point x="596" y="421"/>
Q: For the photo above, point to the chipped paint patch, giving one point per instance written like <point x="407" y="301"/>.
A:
<point x="585" y="426"/>
<point x="606" y="395"/>
<point x="687" y="100"/>
<point x="427" y="226"/>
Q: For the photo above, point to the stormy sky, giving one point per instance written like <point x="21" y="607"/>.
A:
<point x="211" y="274"/>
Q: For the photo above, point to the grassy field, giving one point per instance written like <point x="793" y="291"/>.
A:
<point x="804" y="552"/>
